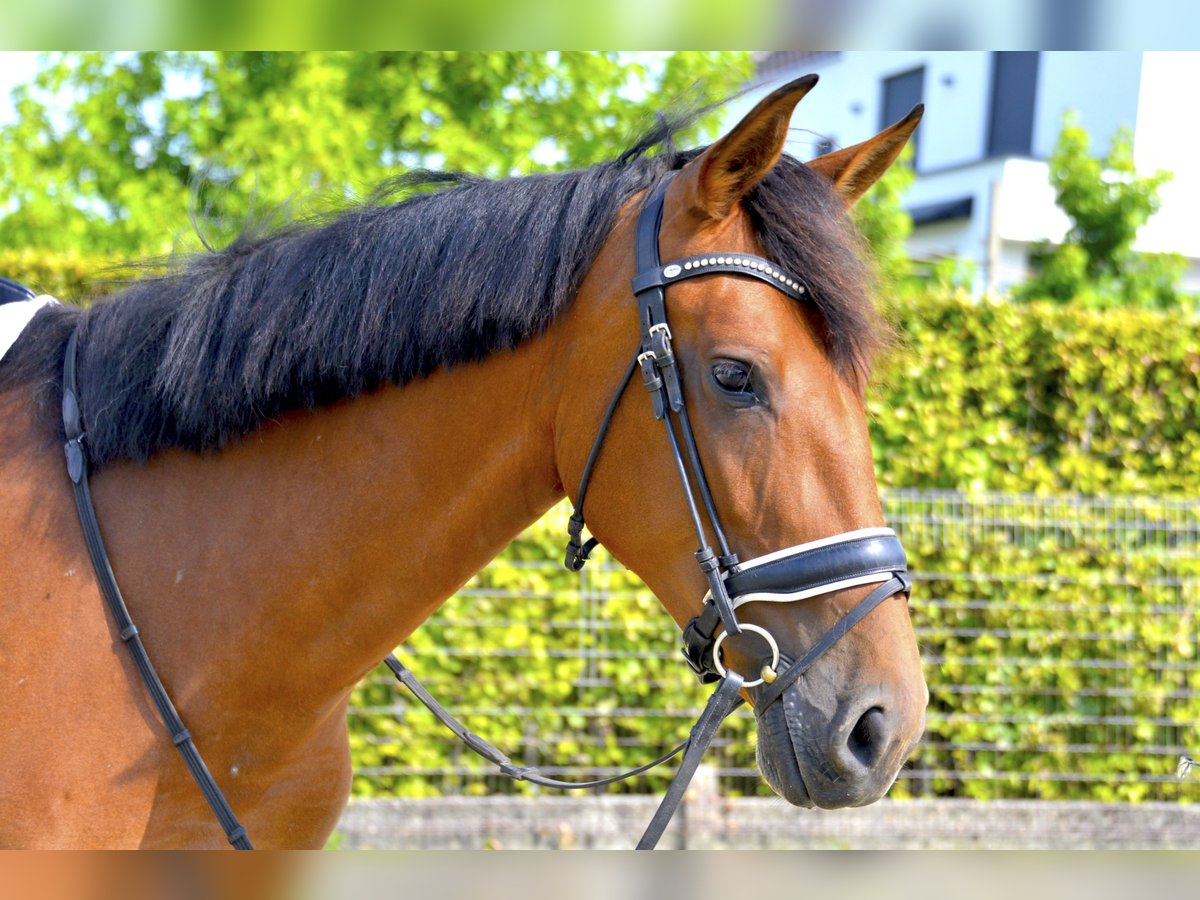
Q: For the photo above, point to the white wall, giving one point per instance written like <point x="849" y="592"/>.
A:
<point x="1102" y="87"/>
<point x="1026" y="210"/>
<point x="1168" y="137"/>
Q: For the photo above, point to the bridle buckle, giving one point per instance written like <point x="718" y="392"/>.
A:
<point x="660" y="327"/>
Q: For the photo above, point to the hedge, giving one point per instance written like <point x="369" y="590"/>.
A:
<point x="978" y="395"/>
<point x="1083" y="636"/>
<point x="1038" y="398"/>
<point x="67" y="276"/>
<point x="1076" y="643"/>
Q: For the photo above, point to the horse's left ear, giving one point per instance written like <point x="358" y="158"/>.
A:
<point x="854" y="169"/>
<point x="719" y="177"/>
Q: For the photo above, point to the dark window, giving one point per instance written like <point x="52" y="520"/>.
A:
<point x="900" y="94"/>
<point x="1014" y="93"/>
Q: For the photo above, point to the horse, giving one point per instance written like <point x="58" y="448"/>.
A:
<point x="304" y="443"/>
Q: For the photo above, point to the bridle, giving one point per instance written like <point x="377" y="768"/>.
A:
<point x="851" y="559"/>
<point x="869" y="556"/>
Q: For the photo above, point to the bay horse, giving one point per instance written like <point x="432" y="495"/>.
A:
<point x="303" y="444"/>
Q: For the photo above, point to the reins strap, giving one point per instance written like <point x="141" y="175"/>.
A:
<point x="492" y="754"/>
<point x="77" y="466"/>
<point x="722" y="702"/>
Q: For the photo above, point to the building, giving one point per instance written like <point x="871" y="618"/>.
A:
<point x="991" y="120"/>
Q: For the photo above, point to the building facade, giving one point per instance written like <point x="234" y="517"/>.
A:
<point x="991" y="120"/>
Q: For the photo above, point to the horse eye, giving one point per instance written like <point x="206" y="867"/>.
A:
<point x="733" y="377"/>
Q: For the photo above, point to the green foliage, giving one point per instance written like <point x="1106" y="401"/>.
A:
<point x="1073" y="646"/>
<point x="1071" y="675"/>
<point x="1038" y="398"/>
<point x="66" y="275"/>
<point x="1107" y="203"/>
<point x="1086" y="622"/>
<point x="115" y="172"/>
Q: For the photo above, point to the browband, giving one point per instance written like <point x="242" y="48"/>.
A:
<point x="730" y="264"/>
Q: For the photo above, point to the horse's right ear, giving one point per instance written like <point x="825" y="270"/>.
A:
<point x="720" y="176"/>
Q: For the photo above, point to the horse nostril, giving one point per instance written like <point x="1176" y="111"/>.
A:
<point x="868" y="737"/>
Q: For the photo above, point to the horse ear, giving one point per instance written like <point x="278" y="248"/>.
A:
<point x="718" y="178"/>
<point x="854" y="169"/>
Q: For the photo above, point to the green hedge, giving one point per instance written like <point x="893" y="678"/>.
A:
<point x="67" y="276"/>
<point x="1077" y="640"/>
<point x="1039" y="398"/>
<point x="977" y="396"/>
<point x="1086" y="625"/>
<point x="1075" y="644"/>
<point x="1059" y="641"/>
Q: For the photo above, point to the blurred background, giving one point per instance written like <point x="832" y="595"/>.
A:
<point x="1037" y="432"/>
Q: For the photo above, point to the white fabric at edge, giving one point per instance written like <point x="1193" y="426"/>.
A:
<point x="15" y="316"/>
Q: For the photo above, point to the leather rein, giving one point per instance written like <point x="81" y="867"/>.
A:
<point x="856" y="558"/>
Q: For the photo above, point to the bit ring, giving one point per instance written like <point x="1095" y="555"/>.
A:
<point x="716" y="652"/>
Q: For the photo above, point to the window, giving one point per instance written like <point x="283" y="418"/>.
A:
<point x="900" y="94"/>
<point x="1014" y="94"/>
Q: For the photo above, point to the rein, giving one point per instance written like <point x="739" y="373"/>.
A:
<point x="856" y="558"/>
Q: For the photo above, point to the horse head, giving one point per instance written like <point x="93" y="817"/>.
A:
<point x="773" y="378"/>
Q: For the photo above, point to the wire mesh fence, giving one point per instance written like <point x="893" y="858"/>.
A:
<point x="1058" y="636"/>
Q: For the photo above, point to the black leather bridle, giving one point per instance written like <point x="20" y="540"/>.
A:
<point x="856" y="558"/>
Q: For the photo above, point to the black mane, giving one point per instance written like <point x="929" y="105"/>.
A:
<point x="390" y="291"/>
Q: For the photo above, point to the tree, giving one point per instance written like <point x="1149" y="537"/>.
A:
<point x="1107" y="203"/>
<point x="109" y="152"/>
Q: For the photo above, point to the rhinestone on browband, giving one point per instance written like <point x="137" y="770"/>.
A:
<point x="675" y="270"/>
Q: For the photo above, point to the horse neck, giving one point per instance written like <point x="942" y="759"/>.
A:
<point x="315" y="545"/>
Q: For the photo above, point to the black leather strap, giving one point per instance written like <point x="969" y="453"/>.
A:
<point x="723" y="701"/>
<point x="699" y="636"/>
<point x="652" y="302"/>
<point x="77" y="469"/>
<point x="579" y="550"/>
<point x="483" y="747"/>
<point x="728" y="558"/>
